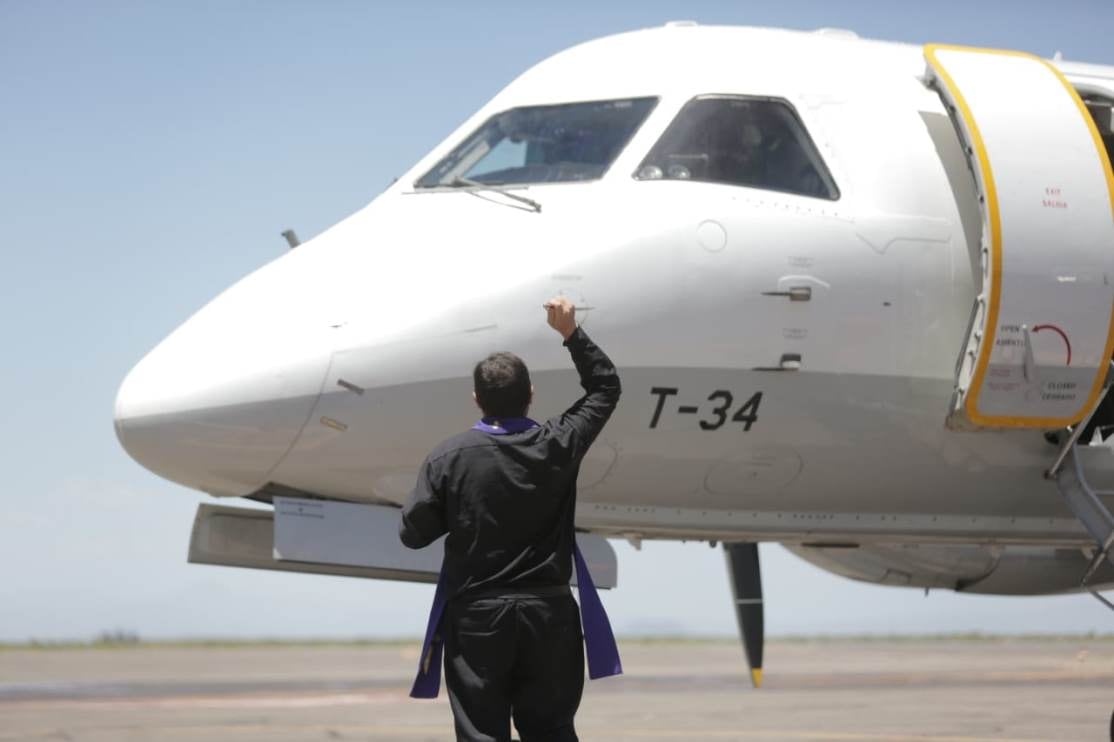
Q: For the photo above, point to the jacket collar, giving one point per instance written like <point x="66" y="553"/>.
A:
<point x="504" y="425"/>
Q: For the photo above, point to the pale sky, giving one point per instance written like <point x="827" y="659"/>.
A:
<point x="150" y="154"/>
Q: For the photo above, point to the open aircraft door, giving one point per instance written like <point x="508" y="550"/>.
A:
<point x="1040" y="339"/>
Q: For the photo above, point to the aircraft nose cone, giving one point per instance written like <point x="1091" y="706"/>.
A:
<point x="217" y="404"/>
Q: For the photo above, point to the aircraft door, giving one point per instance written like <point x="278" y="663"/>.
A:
<point x="1040" y="337"/>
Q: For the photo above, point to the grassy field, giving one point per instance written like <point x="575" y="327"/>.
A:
<point x="124" y="642"/>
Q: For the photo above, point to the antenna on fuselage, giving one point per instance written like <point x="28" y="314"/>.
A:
<point x="291" y="238"/>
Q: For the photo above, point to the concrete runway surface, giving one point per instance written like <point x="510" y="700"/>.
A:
<point x="923" y="689"/>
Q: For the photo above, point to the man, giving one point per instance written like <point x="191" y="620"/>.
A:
<point x="505" y="492"/>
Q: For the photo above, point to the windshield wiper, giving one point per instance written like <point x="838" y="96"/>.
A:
<point x="460" y="182"/>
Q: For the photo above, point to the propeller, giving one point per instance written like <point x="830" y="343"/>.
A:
<point x="746" y="586"/>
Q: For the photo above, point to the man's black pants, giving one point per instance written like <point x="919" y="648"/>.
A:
<point x="514" y="654"/>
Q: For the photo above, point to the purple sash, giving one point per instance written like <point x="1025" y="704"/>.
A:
<point x="504" y="425"/>
<point x="599" y="641"/>
<point x="428" y="681"/>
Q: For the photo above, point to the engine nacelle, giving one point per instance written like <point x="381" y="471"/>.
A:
<point x="338" y="538"/>
<point x="993" y="570"/>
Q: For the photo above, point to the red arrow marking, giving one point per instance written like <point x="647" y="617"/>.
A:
<point x="1059" y="332"/>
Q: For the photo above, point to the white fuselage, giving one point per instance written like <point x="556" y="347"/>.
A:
<point x="334" y="369"/>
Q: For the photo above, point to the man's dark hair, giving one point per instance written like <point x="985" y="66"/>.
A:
<point x="502" y="385"/>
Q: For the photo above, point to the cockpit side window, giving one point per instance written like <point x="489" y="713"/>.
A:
<point x="754" y="142"/>
<point x="542" y="144"/>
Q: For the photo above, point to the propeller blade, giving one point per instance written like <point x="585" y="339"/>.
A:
<point x="746" y="586"/>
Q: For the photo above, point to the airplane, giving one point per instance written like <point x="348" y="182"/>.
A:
<point x="859" y="295"/>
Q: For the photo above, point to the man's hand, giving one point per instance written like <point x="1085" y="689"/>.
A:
<point x="561" y="315"/>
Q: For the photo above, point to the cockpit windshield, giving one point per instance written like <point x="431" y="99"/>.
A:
<point x="543" y="144"/>
<point x="743" y="141"/>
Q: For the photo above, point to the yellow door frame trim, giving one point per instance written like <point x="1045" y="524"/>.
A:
<point x="994" y="223"/>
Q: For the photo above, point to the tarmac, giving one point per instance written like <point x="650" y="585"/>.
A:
<point x="953" y="690"/>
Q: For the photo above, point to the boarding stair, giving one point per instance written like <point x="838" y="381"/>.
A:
<point x="1084" y="474"/>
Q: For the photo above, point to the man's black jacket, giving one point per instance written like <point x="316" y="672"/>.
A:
<point x="508" y="501"/>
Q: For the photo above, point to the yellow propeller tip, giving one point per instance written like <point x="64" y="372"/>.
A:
<point x="756" y="676"/>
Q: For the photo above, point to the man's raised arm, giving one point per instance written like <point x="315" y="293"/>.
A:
<point x="579" y="425"/>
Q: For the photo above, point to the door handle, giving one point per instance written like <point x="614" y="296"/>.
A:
<point x="794" y="293"/>
<point x="788" y="362"/>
